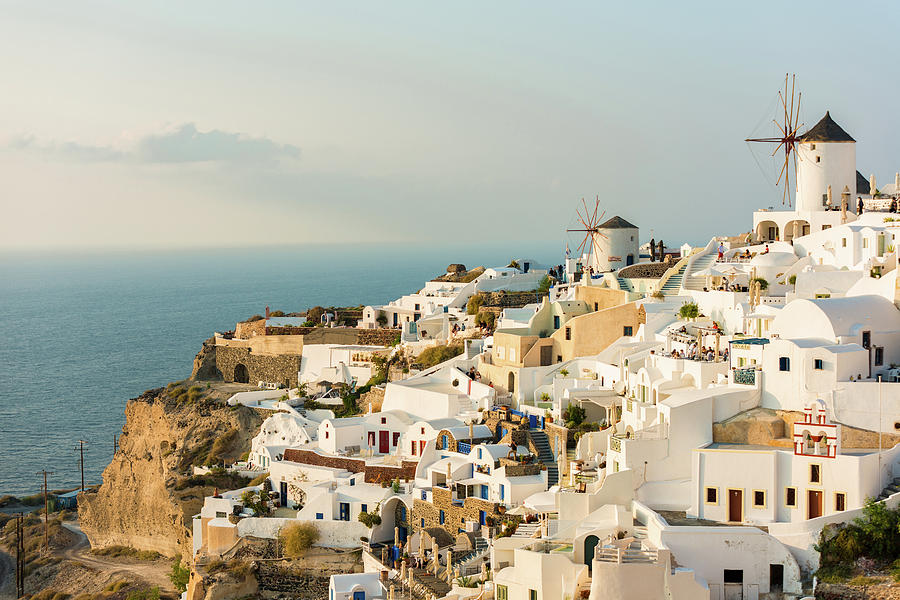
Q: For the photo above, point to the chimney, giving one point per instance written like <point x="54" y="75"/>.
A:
<point x="267" y="311"/>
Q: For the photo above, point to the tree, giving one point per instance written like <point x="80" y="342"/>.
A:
<point x="381" y="319"/>
<point x="485" y="319"/>
<point x="474" y="303"/>
<point x="297" y="538"/>
<point x="544" y="285"/>
<point x="438" y="354"/>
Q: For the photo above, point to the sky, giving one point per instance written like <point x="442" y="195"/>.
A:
<point x="204" y="124"/>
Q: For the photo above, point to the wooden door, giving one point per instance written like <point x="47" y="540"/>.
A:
<point x="546" y="355"/>
<point x="813" y="504"/>
<point x="736" y="505"/>
<point x="384" y="442"/>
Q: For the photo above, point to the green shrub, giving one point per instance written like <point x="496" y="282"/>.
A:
<point x="437" y="354"/>
<point x="573" y="415"/>
<point x="689" y="310"/>
<point x="147" y="594"/>
<point x="221" y="447"/>
<point x="544" y="285"/>
<point x="485" y="319"/>
<point x="474" y="304"/>
<point x="258" y="480"/>
<point x="792" y="279"/>
<point x="297" y="538"/>
<point x="180" y="575"/>
<point x="370" y="519"/>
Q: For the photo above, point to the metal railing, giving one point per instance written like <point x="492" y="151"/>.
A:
<point x="745" y="376"/>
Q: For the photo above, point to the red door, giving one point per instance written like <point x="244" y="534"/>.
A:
<point x="384" y="442"/>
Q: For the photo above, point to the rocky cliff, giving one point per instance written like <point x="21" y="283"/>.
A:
<point x="148" y="496"/>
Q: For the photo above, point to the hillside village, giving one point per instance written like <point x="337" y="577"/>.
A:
<point x="635" y="422"/>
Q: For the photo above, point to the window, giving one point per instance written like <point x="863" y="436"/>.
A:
<point x="555" y="321"/>
<point x="840" y="501"/>
<point x="879" y="356"/>
<point x="843" y="242"/>
<point x="628" y="331"/>
<point x="818" y="364"/>
<point x="784" y="363"/>
<point x="512" y="354"/>
<point x="502" y="592"/>
<point x="568" y="333"/>
<point x="422" y="522"/>
<point x="364" y="507"/>
<point x="396" y="439"/>
<point x="759" y="498"/>
<point x="818" y="159"/>
<point x="441" y="517"/>
<point x="422" y="430"/>
<point x="501" y="352"/>
<point x="417" y="306"/>
<point x="412" y="447"/>
<point x="866" y="339"/>
<point x="532" y="595"/>
<point x="865" y="242"/>
<point x="596" y="306"/>
<point x="812" y="146"/>
<point x="815" y="473"/>
<point x="824" y="227"/>
<point x="790" y="497"/>
<point x="383" y="420"/>
<point x="712" y="495"/>
<point x="558" y="358"/>
<point x="326" y="434"/>
<point x="353" y="482"/>
<point x="320" y="516"/>
<point x="220" y="515"/>
<point x="502" y="492"/>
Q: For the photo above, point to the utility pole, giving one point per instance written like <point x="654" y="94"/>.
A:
<point x="20" y="555"/>
<point x="81" y="444"/>
<point x="45" y="472"/>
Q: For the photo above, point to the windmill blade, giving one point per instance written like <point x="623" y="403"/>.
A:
<point x="596" y="206"/>
<point x="783" y="167"/>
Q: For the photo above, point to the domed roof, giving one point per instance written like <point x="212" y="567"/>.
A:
<point x="774" y="259"/>
<point x="826" y="130"/>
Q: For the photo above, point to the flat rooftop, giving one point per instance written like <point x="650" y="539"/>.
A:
<point x="761" y="447"/>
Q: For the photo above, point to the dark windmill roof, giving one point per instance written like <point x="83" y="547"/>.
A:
<point x="826" y="130"/>
<point x="617" y="223"/>
<point x="862" y="184"/>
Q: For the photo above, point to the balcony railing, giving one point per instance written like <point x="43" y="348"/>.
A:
<point x="615" y="444"/>
<point x="463" y="447"/>
<point x="745" y="376"/>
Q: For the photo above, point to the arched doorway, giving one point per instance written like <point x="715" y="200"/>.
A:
<point x="240" y="374"/>
<point x="590" y="544"/>
<point x="795" y="229"/>
<point x="767" y="231"/>
<point x="511" y="383"/>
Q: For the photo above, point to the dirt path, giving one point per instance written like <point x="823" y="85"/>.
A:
<point x="7" y="575"/>
<point x="155" y="573"/>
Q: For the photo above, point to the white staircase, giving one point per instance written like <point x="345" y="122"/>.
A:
<point x="690" y="281"/>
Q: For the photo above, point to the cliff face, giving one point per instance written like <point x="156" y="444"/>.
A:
<point x="148" y="497"/>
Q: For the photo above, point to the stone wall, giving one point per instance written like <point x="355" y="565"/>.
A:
<point x="377" y="337"/>
<point x="288" y="330"/>
<point x="205" y="368"/>
<point x="373" y="473"/>
<point x="371" y="400"/>
<point x="504" y="299"/>
<point x="281" y="369"/>
<point x="455" y="513"/>
<point x="557" y="432"/>
<point x="273" y="577"/>
<point x="248" y="329"/>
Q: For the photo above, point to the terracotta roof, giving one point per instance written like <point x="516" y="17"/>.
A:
<point x="617" y="223"/>
<point x="826" y="130"/>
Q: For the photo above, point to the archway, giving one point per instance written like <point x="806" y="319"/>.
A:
<point x="767" y="231"/>
<point x="796" y="228"/>
<point x="241" y="375"/>
<point x="590" y="545"/>
<point x="394" y="514"/>
<point x="511" y="383"/>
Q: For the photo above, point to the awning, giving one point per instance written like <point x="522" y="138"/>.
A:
<point x="541" y="502"/>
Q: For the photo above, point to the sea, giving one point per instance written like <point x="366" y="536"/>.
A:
<point x="84" y="331"/>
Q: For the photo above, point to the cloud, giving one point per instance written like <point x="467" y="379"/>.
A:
<point x="186" y="143"/>
<point x="180" y="144"/>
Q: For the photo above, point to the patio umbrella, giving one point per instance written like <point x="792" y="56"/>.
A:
<point x="707" y="272"/>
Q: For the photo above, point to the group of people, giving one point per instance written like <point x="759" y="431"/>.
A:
<point x="473" y="374"/>
<point x="557" y="272"/>
<point x="695" y="352"/>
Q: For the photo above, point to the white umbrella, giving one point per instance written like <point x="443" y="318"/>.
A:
<point x="708" y="272"/>
<point x="521" y="510"/>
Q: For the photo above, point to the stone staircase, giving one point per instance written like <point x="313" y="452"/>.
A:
<point x="425" y="584"/>
<point x="465" y="561"/>
<point x="526" y="530"/>
<point x="624" y="284"/>
<point x="672" y="287"/>
<point x="891" y="489"/>
<point x="700" y="263"/>
<point x="542" y="444"/>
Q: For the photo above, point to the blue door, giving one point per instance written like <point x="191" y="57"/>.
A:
<point x="533" y="421"/>
<point x="361" y="595"/>
<point x="282" y="491"/>
<point x="482" y="517"/>
<point x="484" y="492"/>
<point x="345" y="511"/>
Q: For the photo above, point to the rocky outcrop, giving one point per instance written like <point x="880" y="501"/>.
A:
<point x="221" y="586"/>
<point x="205" y="363"/>
<point x="148" y="498"/>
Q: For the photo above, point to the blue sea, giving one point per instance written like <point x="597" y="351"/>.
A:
<point x="82" y="332"/>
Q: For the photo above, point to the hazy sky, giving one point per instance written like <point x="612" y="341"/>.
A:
<point x="238" y="123"/>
